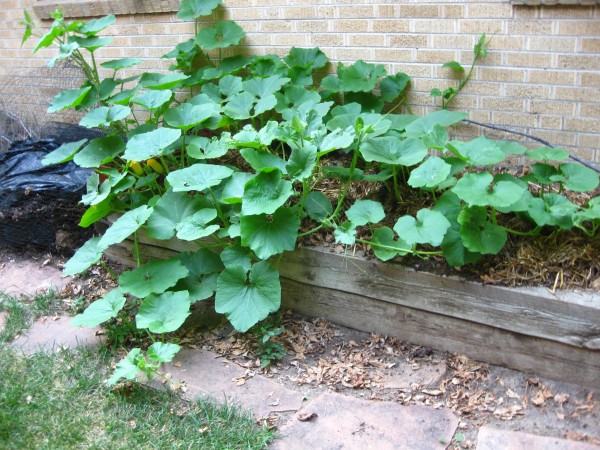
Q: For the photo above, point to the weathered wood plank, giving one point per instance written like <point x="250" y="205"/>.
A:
<point x="519" y="351"/>
<point x="531" y="312"/>
<point x="527" y="329"/>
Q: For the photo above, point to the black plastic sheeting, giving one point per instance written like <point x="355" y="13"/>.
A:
<point x="33" y="197"/>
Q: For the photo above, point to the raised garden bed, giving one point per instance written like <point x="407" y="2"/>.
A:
<point x="556" y="335"/>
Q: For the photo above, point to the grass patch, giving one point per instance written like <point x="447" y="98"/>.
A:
<point x="59" y="400"/>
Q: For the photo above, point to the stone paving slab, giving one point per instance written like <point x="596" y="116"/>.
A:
<point x="2" y="319"/>
<point x="346" y="423"/>
<point x="404" y="376"/>
<point x="206" y="374"/>
<point x="490" y="438"/>
<point x="29" y="277"/>
<point x="52" y="333"/>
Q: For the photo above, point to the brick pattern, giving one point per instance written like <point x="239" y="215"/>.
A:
<point x="541" y="76"/>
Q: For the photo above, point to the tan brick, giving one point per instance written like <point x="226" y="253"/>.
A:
<point x="313" y="26"/>
<point x="590" y="110"/>
<point x="489" y="27"/>
<point x="408" y="40"/>
<point x="275" y="26"/>
<point x="326" y="40"/>
<point x="513" y="119"/>
<point x="529" y="59"/>
<point x="552" y="77"/>
<point x="146" y="28"/>
<point x="386" y="11"/>
<point x="452" y="12"/>
<point x="367" y="40"/>
<point x="419" y="11"/>
<point x="550" y="122"/>
<point x="464" y="102"/>
<point x="259" y="39"/>
<point x="501" y="74"/>
<point x="552" y="44"/>
<point x="302" y="12"/>
<point x="243" y="14"/>
<point x="486" y="11"/>
<point x="579" y="28"/>
<point x="353" y="54"/>
<point x="529" y="27"/>
<point x="482" y="88"/>
<point x="525" y="12"/>
<point x="503" y="104"/>
<point x="575" y="93"/>
<point x="567" y="12"/>
<point x="433" y="26"/>
<point x="585" y="62"/>
<point x="582" y="124"/>
<point x="390" y="26"/>
<point x="591" y="45"/>
<point x="413" y="70"/>
<point x="511" y="43"/>
<point x="527" y="91"/>
<point x="590" y="140"/>
<point x="552" y="107"/>
<point x="356" y="12"/>
<point x="290" y="40"/>
<point x="435" y="56"/>
<point x="325" y="12"/>
<point x="590" y="79"/>
<point x="453" y="41"/>
<point x="357" y="26"/>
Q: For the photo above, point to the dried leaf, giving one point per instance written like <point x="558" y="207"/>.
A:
<point x="305" y="416"/>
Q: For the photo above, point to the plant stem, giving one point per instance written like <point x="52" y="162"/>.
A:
<point x="396" y="249"/>
<point x="108" y="269"/>
<point x="533" y="232"/>
<point x="136" y="249"/>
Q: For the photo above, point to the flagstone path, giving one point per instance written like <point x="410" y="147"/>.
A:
<point x="321" y="421"/>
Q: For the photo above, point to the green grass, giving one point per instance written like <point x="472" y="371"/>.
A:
<point x="22" y="311"/>
<point x="59" y="400"/>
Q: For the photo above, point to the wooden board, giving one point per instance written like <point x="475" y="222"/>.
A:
<point x="532" y="330"/>
<point x="95" y="8"/>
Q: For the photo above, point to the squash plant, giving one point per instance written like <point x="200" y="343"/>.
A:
<point x="233" y="167"/>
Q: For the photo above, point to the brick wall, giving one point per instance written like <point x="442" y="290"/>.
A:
<point x="542" y="74"/>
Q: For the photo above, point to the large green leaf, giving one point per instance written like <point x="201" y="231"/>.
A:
<point x="436" y="138"/>
<point x="385" y="246"/>
<point x="225" y="34"/>
<point x="547" y="154"/>
<point x="64" y="153"/>
<point x="154" y="277"/>
<point x="122" y="63"/>
<point x="345" y="233"/>
<point x="233" y="190"/>
<point x="91" y="43"/>
<point x="306" y="58"/>
<point x="68" y="98"/>
<point x="95" y="212"/>
<point x="425" y="124"/>
<point x="125" y="226"/>
<point x="100" y="151"/>
<point x="239" y="106"/>
<point x="152" y="100"/>
<point x="95" y="26"/>
<point x="429" y="174"/>
<point x="200" y="147"/>
<point x="148" y="145"/>
<point x="263" y="87"/>
<point x="302" y="161"/>
<point x="576" y="177"/>
<point x="428" y="228"/>
<point x="553" y="209"/>
<point x="392" y="86"/>
<point x="104" y="116"/>
<point x="101" y="310"/>
<point x="97" y="192"/>
<point x="162" y="352"/>
<point x="357" y="77"/>
<point x="127" y="368"/>
<point x="393" y="150"/>
<point x="265" y="193"/>
<point x="247" y="299"/>
<point x="192" y="9"/>
<point x="237" y="255"/>
<point x="197" y="226"/>
<point x="337" y="140"/>
<point x="169" y="81"/>
<point x="260" y="159"/>
<point x="187" y="116"/>
<point x="203" y="266"/>
<point x="163" y="313"/>
<point x="198" y="177"/>
<point x="479" y="152"/>
<point x="268" y="235"/>
<point x="170" y="210"/>
<point x="317" y="206"/>
<point x="478" y="234"/>
<point x="363" y="212"/>
<point x="87" y="255"/>
<point x="476" y="189"/>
